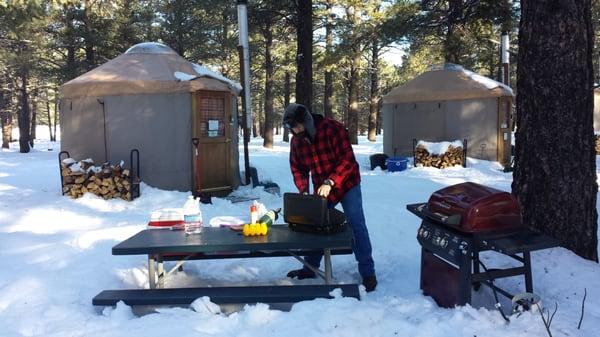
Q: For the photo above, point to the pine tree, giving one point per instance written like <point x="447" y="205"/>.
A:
<point x="21" y="25"/>
<point x="555" y="159"/>
<point x="304" y="53"/>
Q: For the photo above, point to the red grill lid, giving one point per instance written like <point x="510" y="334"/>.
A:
<point x="476" y="208"/>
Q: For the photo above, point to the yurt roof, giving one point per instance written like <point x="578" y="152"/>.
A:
<point x="447" y="82"/>
<point x="147" y="68"/>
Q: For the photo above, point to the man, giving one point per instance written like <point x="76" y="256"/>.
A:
<point x="321" y="147"/>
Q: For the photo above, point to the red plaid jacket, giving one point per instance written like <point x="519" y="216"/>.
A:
<point x="330" y="156"/>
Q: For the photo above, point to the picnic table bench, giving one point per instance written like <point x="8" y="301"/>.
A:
<point x="162" y="245"/>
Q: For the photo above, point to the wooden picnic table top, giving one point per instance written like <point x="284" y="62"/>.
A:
<point x="222" y="239"/>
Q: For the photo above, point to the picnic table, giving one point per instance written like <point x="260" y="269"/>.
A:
<point x="162" y="245"/>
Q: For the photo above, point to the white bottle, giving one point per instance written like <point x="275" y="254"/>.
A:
<point x="192" y="216"/>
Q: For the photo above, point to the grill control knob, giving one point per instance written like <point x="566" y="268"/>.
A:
<point x="436" y="240"/>
<point x="443" y="242"/>
<point x="425" y="233"/>
<point x="463" y="247"/>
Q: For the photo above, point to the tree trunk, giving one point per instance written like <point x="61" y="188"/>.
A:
<point x="256" y="123"/>
<point x="328" y="95"/>
<point x="6" y="129"/>
<point x="32" y="133"/>
<point x="5" y="120"/>
<point x="353" y="109"/>
<point x="452" y="43"/>
<point x="49" y="116"/>
<point x="90" y="61"/>
<point x="225" y="57"/>
<point x="286" y="101"/>
<point x="71" y="66"/>
<point x="374" y="99"/>
<point x="56" y="113"/>
<point x="379" y="120"/>
<point x="23" y="117"/>
<point x="269" y="115"/>
<point x="304" y="53"/>
<point x="555" y="160"/>
<point x="348" y="93"/>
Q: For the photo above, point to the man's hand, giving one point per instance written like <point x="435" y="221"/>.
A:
<point x="324" y="190"/>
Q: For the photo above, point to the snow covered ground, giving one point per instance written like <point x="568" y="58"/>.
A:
<point x="55" y="256"/>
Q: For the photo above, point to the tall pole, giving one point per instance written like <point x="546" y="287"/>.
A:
<point x="242" y="12"/>
<point x="506" y="123"/>
<point x="505" y="59"/>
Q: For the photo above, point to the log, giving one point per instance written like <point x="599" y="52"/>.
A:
<point x="107" y="181"/>
<point x="452" y="157"/>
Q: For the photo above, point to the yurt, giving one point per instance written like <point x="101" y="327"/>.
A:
<point x="448" y="103"/>
<point x="180" y="116"/>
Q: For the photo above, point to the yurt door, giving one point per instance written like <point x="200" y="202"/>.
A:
<point x="211" y="127"/>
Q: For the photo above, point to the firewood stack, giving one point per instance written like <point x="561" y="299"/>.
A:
<point x="597" y="144"/>
<point x="107" y="181"/>
<point x="453" y="156"/>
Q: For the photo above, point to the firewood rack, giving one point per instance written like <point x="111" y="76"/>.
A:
<point x="414" y="148"/>
<point x="134" y="169"/>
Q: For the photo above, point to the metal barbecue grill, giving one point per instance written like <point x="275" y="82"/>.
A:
<point x="460" y="222"/>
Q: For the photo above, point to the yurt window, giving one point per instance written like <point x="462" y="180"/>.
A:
<point x="212" y="113"/>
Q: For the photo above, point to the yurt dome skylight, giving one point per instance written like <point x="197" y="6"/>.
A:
<point x="150" y="48"/>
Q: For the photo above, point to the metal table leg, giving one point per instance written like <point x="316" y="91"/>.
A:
<point x="527" y="266"/>
<point x="465" y="278"/>
<point x="161" y="272"/>
<point x="307" y="265"/>
<point x="476" y="285"/>
<point x="328" y="271"/>
<point x="151" y="272"/>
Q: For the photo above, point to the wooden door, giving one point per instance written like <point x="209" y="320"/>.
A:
<point x="211" y="121"/>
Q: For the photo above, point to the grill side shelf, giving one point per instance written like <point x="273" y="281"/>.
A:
<point x="424" y="213"/>
<point x="519" y="242"/>
<point x="417" y="209"/>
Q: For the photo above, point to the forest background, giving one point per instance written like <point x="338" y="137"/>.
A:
<point x="343" y="46"/>
<point x="44" y="44"/>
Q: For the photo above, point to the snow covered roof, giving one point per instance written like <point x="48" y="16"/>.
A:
<point x="447" y="82"/>
<point x="201" y="71"/>
<point x="147" y="68"/>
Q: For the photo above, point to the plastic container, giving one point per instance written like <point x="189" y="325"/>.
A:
<point x="253" y="214"/>
<point x="166" y="218"/>
<point x="396" y="164"/>
<point x="378" y="159"/>
<point x="255" y="229"/>
<point x="192" y="216"/>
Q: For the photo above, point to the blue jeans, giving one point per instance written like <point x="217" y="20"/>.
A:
<point x="361" y="245"/>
